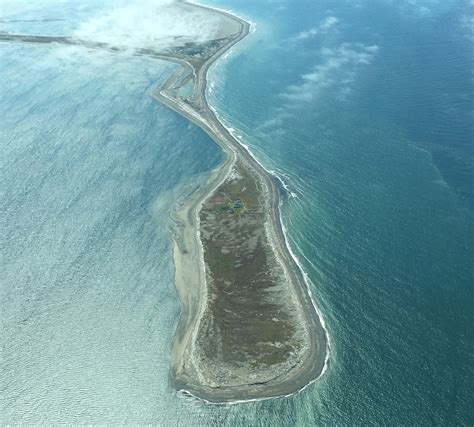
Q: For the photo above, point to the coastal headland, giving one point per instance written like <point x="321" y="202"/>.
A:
<point x="248" y="328"/>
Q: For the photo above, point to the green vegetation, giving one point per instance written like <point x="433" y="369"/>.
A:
<point x="248" y="320"/>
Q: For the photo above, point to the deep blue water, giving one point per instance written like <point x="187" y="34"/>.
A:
<point x="370" y="121"/>
<point x="363" y="107"/>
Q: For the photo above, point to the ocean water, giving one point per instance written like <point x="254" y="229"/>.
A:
<point x="364" y="108"/>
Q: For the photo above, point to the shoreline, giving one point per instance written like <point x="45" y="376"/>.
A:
<point x="187" y="217"/>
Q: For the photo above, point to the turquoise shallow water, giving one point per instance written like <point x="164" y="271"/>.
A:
<point x="362" y="107"/>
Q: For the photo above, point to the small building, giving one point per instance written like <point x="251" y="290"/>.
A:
<point x="218" y="199"/>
